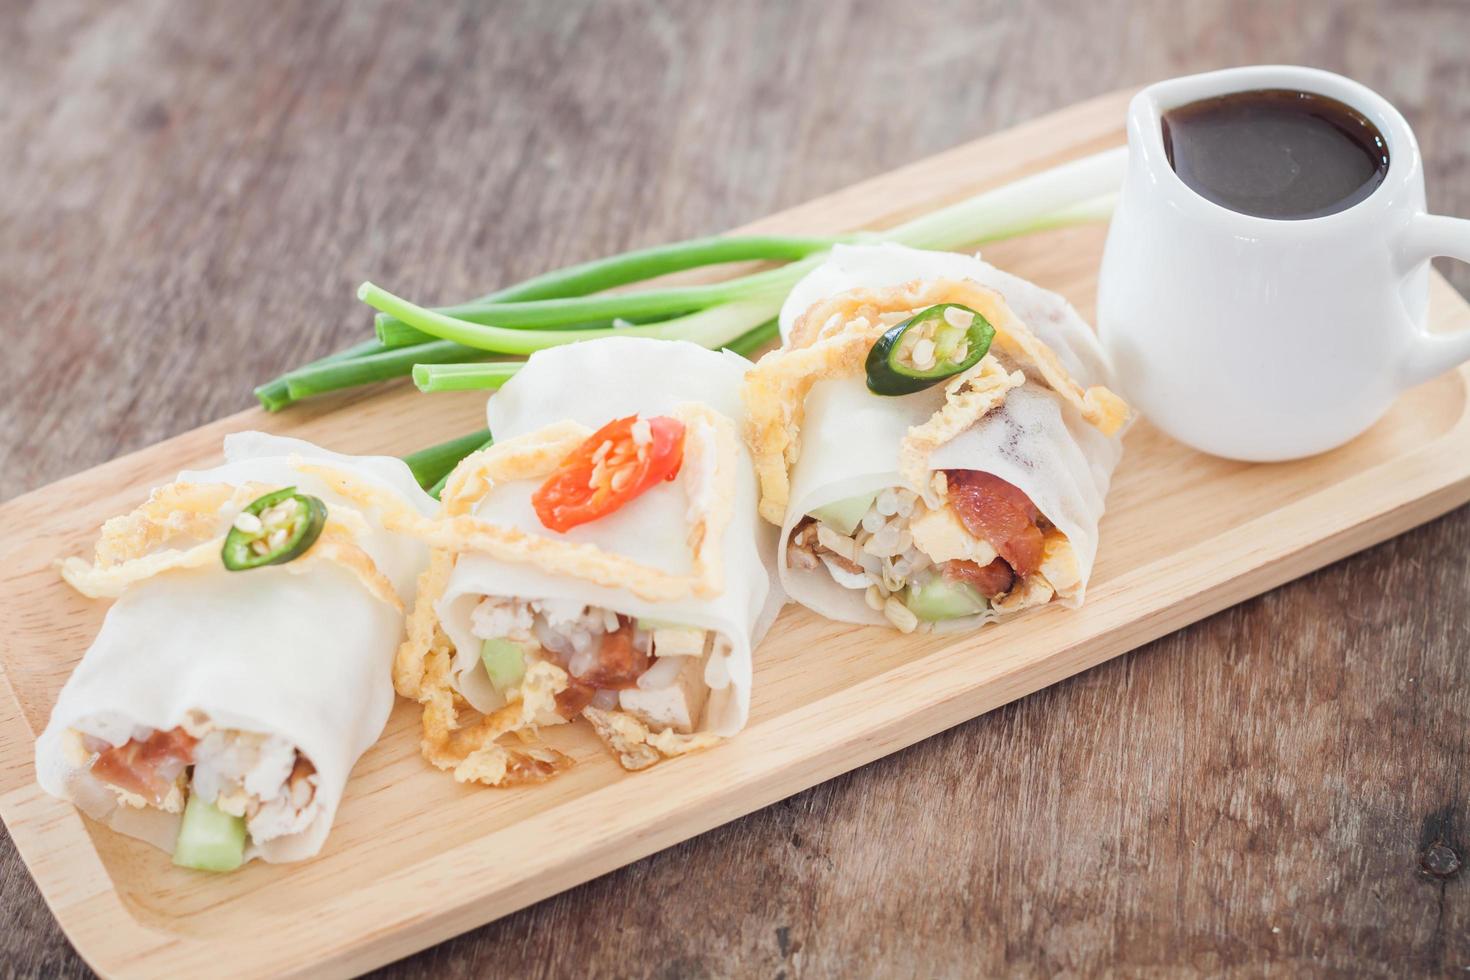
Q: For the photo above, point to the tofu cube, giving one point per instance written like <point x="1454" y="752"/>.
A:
<point x="678" y="706"/>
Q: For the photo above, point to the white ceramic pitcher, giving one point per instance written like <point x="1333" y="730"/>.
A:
<point x="1263" y="339"/>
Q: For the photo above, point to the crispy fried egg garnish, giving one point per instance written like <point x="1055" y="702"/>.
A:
<point x="635" y="747"/>
<point x="1059" y="564"/>
<point x="775" y="393"/>
<point x="125" y="557"/>
<point x="709" y="480"/>
<point x="474" y="752"/>
<point x="1099" y="406"/>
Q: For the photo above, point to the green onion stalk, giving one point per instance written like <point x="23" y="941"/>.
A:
<point x="443" y="348"/>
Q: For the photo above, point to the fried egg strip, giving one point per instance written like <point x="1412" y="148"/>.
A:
<point x="188" y="510"/>
<point x="710" y="436"/>
<point x="635" y="747"/>
<point x="422" y="671"/>
<point x="473" y="753"/>
<point x="125" y="557"/>
<point x="1099" y="406"/>
<point x="422" y="627"/>
<point x="775" y="393"/>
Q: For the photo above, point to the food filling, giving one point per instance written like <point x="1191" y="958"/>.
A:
<point x="987" y="547"/>
<point x="650" y="669"/>
<point x="230" y="785"/>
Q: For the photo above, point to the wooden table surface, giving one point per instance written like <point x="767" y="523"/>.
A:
<point x="192" y="190"/>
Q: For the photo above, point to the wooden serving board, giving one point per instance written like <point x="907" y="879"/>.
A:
<point x="415" y="858"/>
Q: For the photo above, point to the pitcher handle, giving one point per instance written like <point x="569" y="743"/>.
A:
<point x="1429" y="236"/>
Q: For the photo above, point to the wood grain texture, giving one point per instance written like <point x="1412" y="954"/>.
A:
<point x="192" y="190"/>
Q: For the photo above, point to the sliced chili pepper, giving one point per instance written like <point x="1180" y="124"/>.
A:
<point x="273" y="530"/>
<point x="947" y="339"/>
<point x="616" y="464"/>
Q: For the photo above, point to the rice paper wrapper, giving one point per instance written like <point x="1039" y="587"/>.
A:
<point x="594" y="382"/>
<point x="850" y="437"/>
<point x="306" y="657"/>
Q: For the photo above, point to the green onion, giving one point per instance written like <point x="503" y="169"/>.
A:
<point x="490" y="376"/>
<point x="1075" y="192"/>
<point x="336" y="375"/>
<point x="576" y="280"/>
<point x="1081" y="190"/>
<point x="638" y="266"/>
<point x="712" y="327"/>
<point x="432" y="465"/>
<point x="569" y="305"/>
<point x="464" y="377"/>
<point x="274" y="396"/>
<point x="394" y="333"/>
<point x="747" y="344"/>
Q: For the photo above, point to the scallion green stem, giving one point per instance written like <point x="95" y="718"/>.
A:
<point x="393" y="332"/>
<point x="712" y="327"/>
<point x="432" y="465"/>
<point x="660" y="260"/>
<point x="464" y="377"/>
<point x="274" y="395"/>
<point x="1042" y="200"/>
<point x="620" y="270"/>
<point x="644" y="305"/>
<point x="320" y="379"/>
<point x="747" y="344"/>
<point x="490" y="376"/>
<point x="568" y="305"/>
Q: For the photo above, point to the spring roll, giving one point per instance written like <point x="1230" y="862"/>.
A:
<point x="636" y="605"/>
<point x="234" y="704"/>
<point x="973" y="497"/>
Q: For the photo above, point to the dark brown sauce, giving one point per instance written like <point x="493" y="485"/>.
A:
<point x="1276" y="153"/>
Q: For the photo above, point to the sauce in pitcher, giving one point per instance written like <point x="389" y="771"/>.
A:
<point x="1276" y="153"/>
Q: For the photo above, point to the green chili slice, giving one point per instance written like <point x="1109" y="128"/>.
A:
<point x="273" y="530"/>
<point x="927" y="348"/>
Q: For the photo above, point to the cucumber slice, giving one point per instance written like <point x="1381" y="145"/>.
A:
<point x="505" y="663"/>
<point x="939" y="599"/>
<point x="209" y="838"/>
<point x="843" y="516"/>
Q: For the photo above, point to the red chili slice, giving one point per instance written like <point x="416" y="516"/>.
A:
<point x="144" y="767"/>
<point x="998" y="512"/>
<point x="608" y="470"/>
